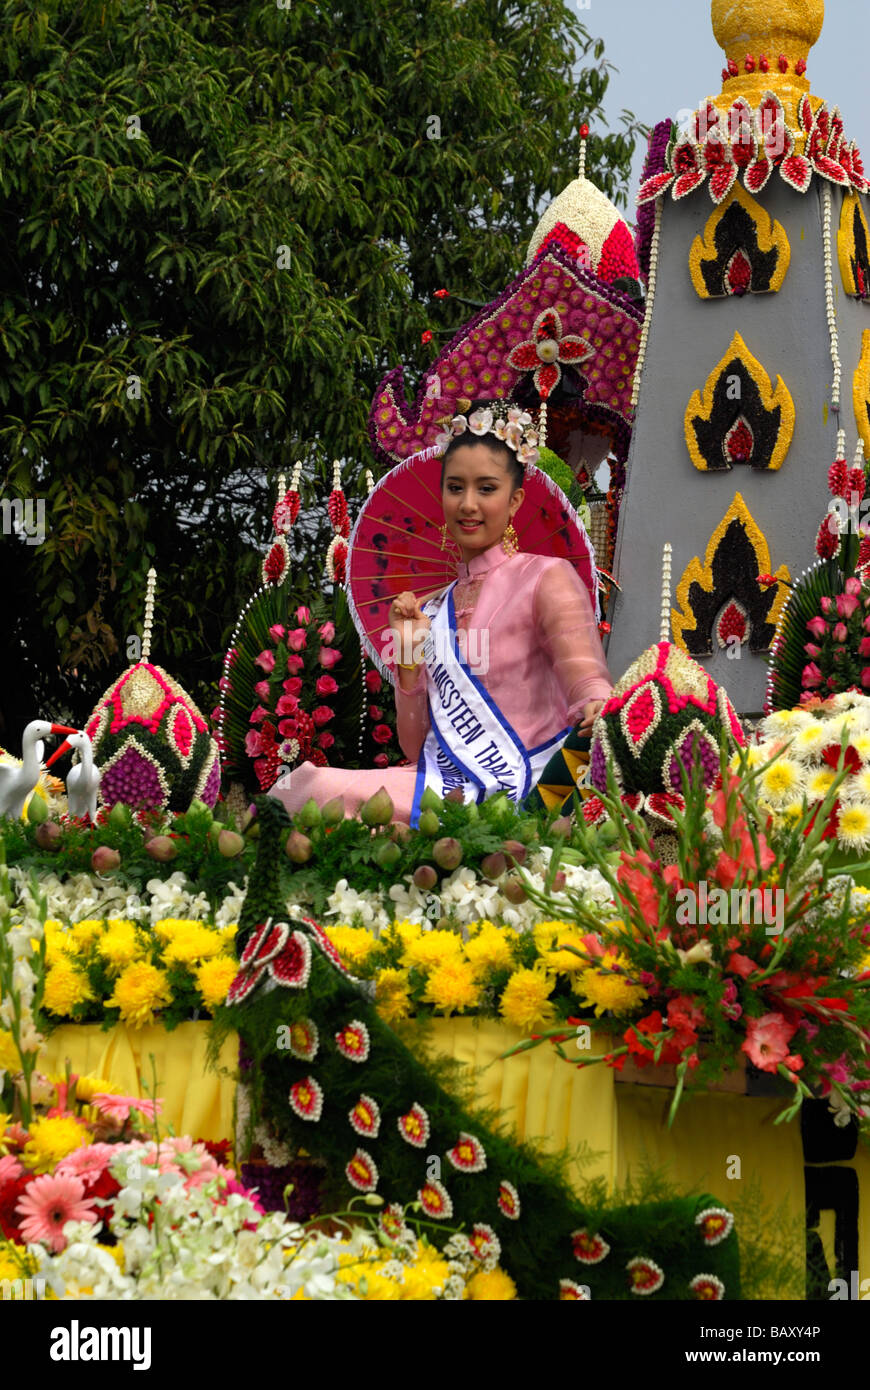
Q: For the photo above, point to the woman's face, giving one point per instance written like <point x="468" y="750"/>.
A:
<point x="478" y="497"/>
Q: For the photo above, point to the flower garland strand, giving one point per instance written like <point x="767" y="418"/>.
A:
<point x="665" y="628"/>
<point x="829" y="297"/>
<point x="150" y="585"/>
<point x="650" y="298"/>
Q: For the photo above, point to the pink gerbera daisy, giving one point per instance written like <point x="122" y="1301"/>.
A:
<point x="119" y="1107"/>
<point x="48" y="1204"/>
<point x="10" y="1169"/>
<point x="88" y="1162"/>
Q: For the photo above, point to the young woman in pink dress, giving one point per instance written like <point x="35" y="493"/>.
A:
<point x="494" y="672"/>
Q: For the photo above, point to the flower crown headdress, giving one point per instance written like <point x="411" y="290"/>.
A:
<point x="516" y="429"/>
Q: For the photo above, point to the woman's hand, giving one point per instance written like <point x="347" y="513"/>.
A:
<point x="410" y="627"/>
<point x="593" y="708"/>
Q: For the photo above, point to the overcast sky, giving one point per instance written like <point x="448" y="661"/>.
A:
<point x="668" y="60"/>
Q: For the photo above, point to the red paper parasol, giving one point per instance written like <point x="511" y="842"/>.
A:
<point x="396" y="542"/>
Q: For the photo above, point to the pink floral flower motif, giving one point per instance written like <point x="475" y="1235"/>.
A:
<point x="288" y="728"/>
<point x="811" y="676"/>
<point x="392" y="1222"/>
<point x="329" y="657"/>
<point x="266" y="661"/>
<point x="326" y="685"/>
<point x="276" y="631"/>
<point x="853" y="585"/>
<point x="88" y="1162"/>
<point x="297" y="640"/>
<point x="303" y="614"/>
<point x="293" y="685"/>
<point x="545" y="351"/>
<point x="258" y="715"/>
<point x="326" y="740"/>
<point x="365" y="1117"/>
<point x="119" y="1107"/>
<point x="295" y="664"/>
<point x="381" y="760"/>
<point x="414" y="1126"/>
<point x="484" y="1241"/>
<point x="767" y="1039"/>
<point x="261" y="690"/>
<point x="435" y="1200"/>
<point x="589" y="1249"/>
<point x="572" y="1292"/>
<point x="467" y="1154"/>
<point x="48" y="1203"/>
<point x="361" y="1172"/>
<point x="839" y="632"/>
<point x="846" y="605"/>
<point x="292" y="968"/>
<point x="374" y="682"/>
<point x="715" y="1224"/>
<point x="10" y="1169"/>
<point x="707" y="1288"/>
<point x="304" y="1039"/>
<point x="306" y="1099"/>
<point x="326" y="632"/>
<point x="812" y="651"/>
<point x="322" y="715"/>
<point x="644" y="1275"/>
<point x="730" y="1008"/>
<point x="826" y="603"/>
<point x="382" y="733"/>
<point x="287" y="704"/>
<point x="353" y="1041"/>
<point x="509" y="1201"/>
<point x="376" y="712"/>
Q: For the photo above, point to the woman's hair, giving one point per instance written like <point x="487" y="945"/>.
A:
<point x="514" y="468"/>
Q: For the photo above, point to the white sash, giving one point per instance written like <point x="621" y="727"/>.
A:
<point x="470" y="743"/>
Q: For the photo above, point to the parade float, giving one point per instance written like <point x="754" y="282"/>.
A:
<point x="516" y="1029"/>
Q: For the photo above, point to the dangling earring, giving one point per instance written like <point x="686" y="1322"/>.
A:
<point x="510" y="541"/>
<point x="444" y="536"/>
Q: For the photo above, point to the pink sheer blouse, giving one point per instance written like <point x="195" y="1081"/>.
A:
<point x="531" y="639"/>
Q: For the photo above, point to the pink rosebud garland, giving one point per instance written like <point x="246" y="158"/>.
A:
<point x="266" y="661"/>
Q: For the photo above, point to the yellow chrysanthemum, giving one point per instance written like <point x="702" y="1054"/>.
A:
<point x="819" y="784"/>
<point x="491" y="948"/>
<point x="15" y="1263"/>
<point x="120" y="945"/>
<point x="86" y="932"/>
<point x="59" y="943"/>
<point x="526" y="1001"/>
<point x="551" y="938"/>
<point x="782" y="781"/>
<point x="452" y="987"/>
<point x="861" y="745"/>
<point x="853" y="826"/>
<point x="141" y="990"/>
<point x="354" y="944"/>
<point x="194" y="942"/>
<point x="494" y="1286"/>
<point x="9" y="1059"/>
<point x="229" y="932"/>
<point x="392" y="996"/>
<point x="214" y="978"/>
<point x="405" y="931"/>
<point x="754" y="756"/>
<point x="431" y="949"/>
<point x="784" y="723"/>
<point x="66" y="985"/>
<point x="428" y="1272"/>
<point x="89" y="1086"/>
<point x="50" y="1140"/>
<point x="608" y="992"/>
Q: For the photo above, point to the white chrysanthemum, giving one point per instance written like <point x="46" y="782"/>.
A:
<point x="861" y="744"/>
<point x="782" y="782"/>
<point x="855" y="788"/>
<point x="808" y="742"/>
<point x="853" y="828"/>
<point x="818" y="784"/>
<point x="754" y="756"/>
<point x="785" y="722"/>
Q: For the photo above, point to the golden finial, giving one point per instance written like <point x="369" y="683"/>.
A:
<point x="766" y="44"/>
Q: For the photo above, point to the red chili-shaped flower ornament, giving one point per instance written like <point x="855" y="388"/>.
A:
<point x="509" y="1201"/>
<point x="589" y="1249"/>
<point x="467" y="1156"/>
<point x="414" y="1127"/>
<point x="365" y="1117"/>
<point x="306" y="1099"/>
<point x="645" y="1276"/>
<point x="361" y="1172"/>
<point x="435" y="1200"/>
<point x="353" y="1041"/>
<point x="715" y="1224"/>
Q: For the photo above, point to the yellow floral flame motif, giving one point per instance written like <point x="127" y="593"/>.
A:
<point x="700" y="407"/>
<point x="861" y="392"/>
<point x="852" y="216"/>
<point x="770" y="235"/>
<point x="683" y="619"/>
